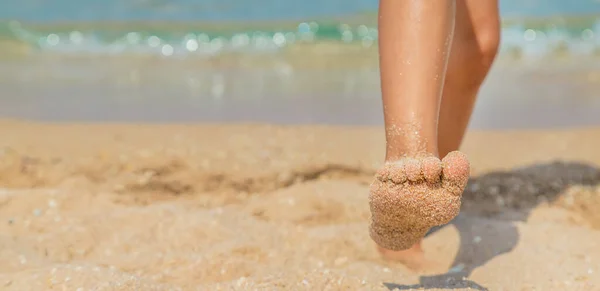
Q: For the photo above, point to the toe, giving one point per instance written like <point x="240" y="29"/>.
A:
<point x="383" y="173"/>
<point x="397" y="172"/>
<point x="456" y="166"/>
<point x="393" y="171"/>
<point x="456" y="171"/>
<point x="432" y="169"/>
<point x="412" y="168"/>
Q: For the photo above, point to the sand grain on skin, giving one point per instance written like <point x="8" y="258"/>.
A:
<point x="410" y="196"/>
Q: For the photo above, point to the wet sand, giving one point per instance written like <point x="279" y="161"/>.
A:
<point x="264" y="207"/>
<point x="320" y="84"/>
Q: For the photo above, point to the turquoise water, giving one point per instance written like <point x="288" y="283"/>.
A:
<point x="208" y="27"/>
<point x="194" y="10"/>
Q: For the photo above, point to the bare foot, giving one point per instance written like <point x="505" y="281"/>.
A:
<point x="409" y="196"/>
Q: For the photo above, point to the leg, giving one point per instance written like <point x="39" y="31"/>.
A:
<point x="410" y="194"/>
<point x="414" y="44"/>
<point x="474" y="48"/>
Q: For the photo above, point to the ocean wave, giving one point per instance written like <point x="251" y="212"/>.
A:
<point x="172" y="40"/>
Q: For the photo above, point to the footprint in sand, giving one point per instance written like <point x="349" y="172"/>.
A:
<point x="313" y="203"/>
<point x="410" y="196"/>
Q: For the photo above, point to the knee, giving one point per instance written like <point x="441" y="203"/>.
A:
<point x="488" y="43"/>
<point x="474" y="53"/>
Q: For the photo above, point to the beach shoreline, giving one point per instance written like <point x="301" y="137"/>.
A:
<point x="306" y="87"/>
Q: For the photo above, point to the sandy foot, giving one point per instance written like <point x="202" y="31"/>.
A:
<point x="410" y="196"/>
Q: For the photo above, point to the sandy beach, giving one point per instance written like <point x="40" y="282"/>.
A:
<point x="265" y="207"/>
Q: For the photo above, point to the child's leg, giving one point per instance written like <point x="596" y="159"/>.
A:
<point x="474" y="48"/>
<point x="414" y="44"/>
<point x="475" y="45"/>
<point x="411" y="194"/>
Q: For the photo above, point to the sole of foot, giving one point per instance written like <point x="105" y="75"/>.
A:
<point x="411" y="195"/>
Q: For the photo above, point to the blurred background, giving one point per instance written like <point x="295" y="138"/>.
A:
<point x="281" y="61"/>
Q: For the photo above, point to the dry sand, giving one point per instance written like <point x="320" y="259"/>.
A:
<point x="261" y="207"/>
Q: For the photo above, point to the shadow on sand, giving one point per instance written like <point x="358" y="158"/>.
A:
<point x="494" y="195"/>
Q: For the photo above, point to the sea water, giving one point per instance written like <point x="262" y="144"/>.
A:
<point x="214" y="26"/>
<point x="259" y="60"/>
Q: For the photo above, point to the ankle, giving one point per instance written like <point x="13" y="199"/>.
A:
<point x="410" y="142"/>
<point x="393" y="154"/>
